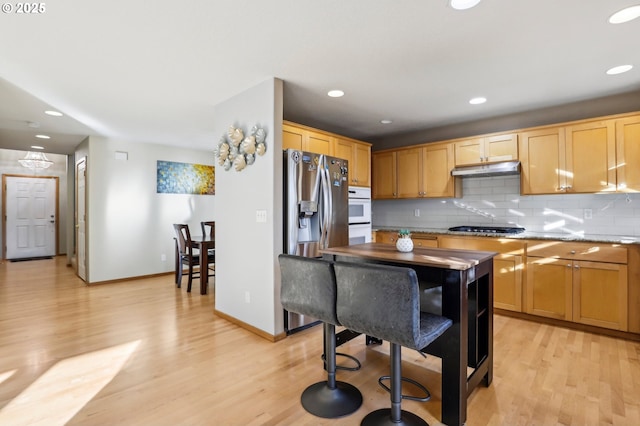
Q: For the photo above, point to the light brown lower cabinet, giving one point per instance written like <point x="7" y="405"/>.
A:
<point x="391" y="237"/>
<point x="508" y="266"/>
<point x="588" y="283"/>
<point x="559" y="285"/>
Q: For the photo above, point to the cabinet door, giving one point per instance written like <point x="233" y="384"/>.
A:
<point x="409" y="170"/>
<point x="507" y="282"/>
<point x="501" y="147"/>
<point x="549" y="288"/>
<point x="628" y="154"/>
<point x="384" y="175"/>
<point x="542" y="155"/>
<point x="600" y="294"/>
<point x="437" y="162"/>
<point x="469" y="152"/>
<point x="591" y="157"/>
<point x="362" y="156"/>
<point x="344" y="149"/>
<point x="318" y="143"/>
<point x="292" y="137"/>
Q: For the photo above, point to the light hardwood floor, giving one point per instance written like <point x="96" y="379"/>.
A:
<point x="145" y="353"/>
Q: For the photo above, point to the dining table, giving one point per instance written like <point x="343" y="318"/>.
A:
<point x="204" y="243"/>
<point x="458" y="284"/>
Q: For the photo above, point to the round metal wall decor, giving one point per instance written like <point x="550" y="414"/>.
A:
<point x="237" y="151"/>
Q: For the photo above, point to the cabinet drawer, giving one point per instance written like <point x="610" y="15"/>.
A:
<point x="500" y="245"/>
<point x="595" y="252"/>
<point x="424" y="241"/>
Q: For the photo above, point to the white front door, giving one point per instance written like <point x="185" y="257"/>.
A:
<point x="81" y="254"/>
<point x="31" y="207"/>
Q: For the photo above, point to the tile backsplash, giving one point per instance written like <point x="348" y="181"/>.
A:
<point x="497" y="201"/>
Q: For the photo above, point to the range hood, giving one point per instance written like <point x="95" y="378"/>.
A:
<point x="494" y="169"/>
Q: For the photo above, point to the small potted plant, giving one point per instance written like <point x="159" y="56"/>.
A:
<point x="404" y="243"/>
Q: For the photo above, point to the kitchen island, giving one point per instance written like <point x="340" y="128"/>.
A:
<point x="466" y="280"/>
<point x="531" y="280"/>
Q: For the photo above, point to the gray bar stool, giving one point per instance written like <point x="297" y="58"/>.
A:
<point x="308" y="287"/>
<point x="384" y="301"/>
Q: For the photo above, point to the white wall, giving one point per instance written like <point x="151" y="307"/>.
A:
<point x="246" y="251"/>
<point x="129" y="224"/>
<point x="497" y="200"/>
<point x="9" y="165"/>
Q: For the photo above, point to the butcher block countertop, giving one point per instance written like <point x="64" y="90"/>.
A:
<point x="459" y="260"/>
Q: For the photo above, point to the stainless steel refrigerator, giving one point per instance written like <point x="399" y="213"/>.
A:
<point x="316" y="206"/>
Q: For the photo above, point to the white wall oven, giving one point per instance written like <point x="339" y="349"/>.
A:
<point x="359" y="215"/>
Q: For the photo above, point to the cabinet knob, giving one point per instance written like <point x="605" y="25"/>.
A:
<point x="568" y="265"/>
<point x="576" y="266"/>
<point x="572" y="252"/>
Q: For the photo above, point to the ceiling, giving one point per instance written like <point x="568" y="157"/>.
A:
<point x="152" y="71"/>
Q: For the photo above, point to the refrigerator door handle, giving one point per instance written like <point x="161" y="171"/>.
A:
<point x="292" y="200"/>
<point x="327" y="207"/>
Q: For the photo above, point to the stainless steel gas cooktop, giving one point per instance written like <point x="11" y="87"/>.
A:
<point x="488" y="229"/>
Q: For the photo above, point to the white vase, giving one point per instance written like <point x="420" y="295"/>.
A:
<point x="404" y="244"/>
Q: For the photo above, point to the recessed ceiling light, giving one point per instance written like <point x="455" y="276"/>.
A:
<point x="619" y="69"/>
<point x="625" y="15"/>
<point x="477" y="101"/>
<point x="335" y="93"/>
<point x="385" y="121"/>
<point x="37" y="147"/>
<point x="463" y="4"/>
<point x="43" y="137"/>
<point x="53" y="113"/>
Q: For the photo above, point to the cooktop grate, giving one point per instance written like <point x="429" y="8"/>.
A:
<point x="488" y="229"/>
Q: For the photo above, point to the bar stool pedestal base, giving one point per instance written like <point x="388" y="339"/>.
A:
<point x="383" y="417"/>
<point x="322" y="401"/>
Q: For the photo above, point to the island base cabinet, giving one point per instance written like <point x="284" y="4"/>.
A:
<point x="592" y="293"/>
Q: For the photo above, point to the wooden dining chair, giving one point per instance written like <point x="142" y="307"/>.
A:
<point x="187" y="255"/>
<point x="209" y="228"/>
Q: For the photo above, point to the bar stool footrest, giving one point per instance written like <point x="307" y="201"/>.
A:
<point x="342" y="367"/>
<point x="420" y="386"/>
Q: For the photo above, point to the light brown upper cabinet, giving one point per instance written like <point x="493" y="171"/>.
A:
<point x="384" y="175"/>
<point x="628" y="153"/>
<point x="357" y="153"/>
<point x="542" y="159"/>
<point x="572" y="159"/>
<point x="359" y="156"/>
<point x="591" y="157"/>
<point x="489" y="149"/>
<point x="420" y="172"/>
<point x="305" y="139"/>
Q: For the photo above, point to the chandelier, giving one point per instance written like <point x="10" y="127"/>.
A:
<point x="36" y="160"/>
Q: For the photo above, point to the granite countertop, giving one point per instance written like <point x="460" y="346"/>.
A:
<point x="526" y="235"/>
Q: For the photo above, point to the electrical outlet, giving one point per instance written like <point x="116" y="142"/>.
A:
<point x="588" y="214"/>
<point x="247" y="297"/>
<point x="163" y="257"/>
<point x="261" y="216"/>
<point x="416" y="212"/>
